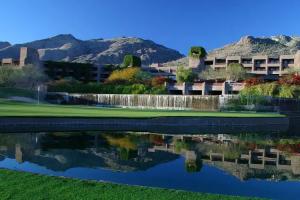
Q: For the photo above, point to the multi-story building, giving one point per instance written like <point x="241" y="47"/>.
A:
<point x="258" y="65"/>
<point x="267" y="67"/>
<point x="30" y="56"/>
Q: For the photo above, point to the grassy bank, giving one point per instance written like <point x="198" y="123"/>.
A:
<point x="22" y="186"/>
<point x="16" y="109"/>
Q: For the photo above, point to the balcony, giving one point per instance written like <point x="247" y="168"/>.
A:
<point x="209" y="63"/>
<point x="260" y="70"/>
<point x="216" y="67"/>
<point x="247" y="65"/>
<point x="247" y="61"/>
<point x="287" y="63"/>
<point x="220" y="62"/>
<point x="274" y="70"/>
<point x="197" y="86"/>
<point x="273" y="61"/>
<point x="248" y="69"/>
<point x="232" y="61"/>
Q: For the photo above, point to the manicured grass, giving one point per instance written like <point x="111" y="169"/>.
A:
<point x="24" y="186"/>
<point x="16" y="109"/>
<point x="9" y="92"/>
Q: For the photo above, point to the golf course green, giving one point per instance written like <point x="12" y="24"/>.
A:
<point x="18" y="109"/>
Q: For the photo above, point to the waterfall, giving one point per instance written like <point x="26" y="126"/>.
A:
<point x="178" y="102"/>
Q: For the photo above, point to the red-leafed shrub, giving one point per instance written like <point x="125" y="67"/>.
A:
<point x="289" y="148"/>
<point x="296" y="79"/>
<point x="290" y="80"/>
<point x="158" y="81"/>
<point x="253" y="81"/>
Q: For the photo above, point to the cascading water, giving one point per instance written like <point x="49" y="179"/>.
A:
<point x="178" y="102"/>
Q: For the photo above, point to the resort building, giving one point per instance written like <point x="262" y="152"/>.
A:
<point x="267" y="67"/>
<point x="258" y="65"/>
<point x="25" y="56"/>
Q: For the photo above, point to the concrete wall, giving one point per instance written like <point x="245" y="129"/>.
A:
<point x="297" y="59"/>
<point x="175" y="125"/>
<point x="206" y="88"/>
<point x="29" y="56"/>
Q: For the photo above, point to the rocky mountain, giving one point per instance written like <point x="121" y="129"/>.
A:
<point x="250" y="46"/>
<point x="99" y="51"/>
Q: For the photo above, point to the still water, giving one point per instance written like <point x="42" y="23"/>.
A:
<point x="241" y="164"/>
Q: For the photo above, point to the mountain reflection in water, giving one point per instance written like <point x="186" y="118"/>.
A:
<point x="132" y="155"/>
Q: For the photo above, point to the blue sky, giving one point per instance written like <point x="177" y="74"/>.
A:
<point x="177" y="24"/>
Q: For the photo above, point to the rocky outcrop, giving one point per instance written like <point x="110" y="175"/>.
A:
<point x="250" y="46"/>
<point x="99" y="51"/>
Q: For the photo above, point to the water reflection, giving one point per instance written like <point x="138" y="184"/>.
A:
<point x="133" y="155"/>
<point x="244" y="156"/>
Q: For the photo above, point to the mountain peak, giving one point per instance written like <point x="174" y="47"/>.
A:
<point x="63" y="36"/>
<point x="245" y="40"/>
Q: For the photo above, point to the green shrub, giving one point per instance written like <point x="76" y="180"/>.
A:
<point x="143" y="77"/>
<point x="184" y="75"/>
<point x="131" y="61"/>
<point x="197" y="52"/>
<point x="27" y="77"/>
<point x="7" y="75"/>
<point x="138" y="89"/>
<point x="159" y="90"/>
<point x="96" y="88"/>
<point x="287" y="91"/>
<point x="236" y="72"/>
<point x="267" y="89"/>
<point x="211" y="74"/>
<point x="256" y="94"/>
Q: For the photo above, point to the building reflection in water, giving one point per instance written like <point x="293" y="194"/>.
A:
<point x="244" y="156"/>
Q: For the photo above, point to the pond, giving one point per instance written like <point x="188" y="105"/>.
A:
<point x="259" y="165"/>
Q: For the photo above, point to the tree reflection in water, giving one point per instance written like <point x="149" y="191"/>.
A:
<point x="244" y="156"/>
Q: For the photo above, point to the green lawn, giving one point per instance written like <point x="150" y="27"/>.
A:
<point x="26" y="186"/>
<point x="11" y="108"/>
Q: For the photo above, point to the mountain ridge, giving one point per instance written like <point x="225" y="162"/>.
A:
<point x="66" y="47"/>
<point x="250" y="46"/>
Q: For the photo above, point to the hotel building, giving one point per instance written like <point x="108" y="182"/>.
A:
<point x="267" y="67"/>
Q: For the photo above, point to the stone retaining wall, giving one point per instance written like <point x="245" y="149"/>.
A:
<point x="179" y="125"/>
